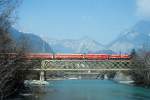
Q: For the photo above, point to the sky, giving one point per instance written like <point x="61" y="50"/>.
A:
<point x="101" y="20"/>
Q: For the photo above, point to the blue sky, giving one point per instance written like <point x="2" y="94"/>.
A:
<point x="101" y="20"/>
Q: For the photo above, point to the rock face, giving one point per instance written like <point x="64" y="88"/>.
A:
<point x="135" y="38"/>
<point x="121" y="78"/>
<point x="35" y="43"/>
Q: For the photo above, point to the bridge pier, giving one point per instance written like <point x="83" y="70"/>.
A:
<point x="42" y="75"/>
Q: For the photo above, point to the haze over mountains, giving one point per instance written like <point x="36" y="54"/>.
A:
<point x="83" y="45"/>
<point x="136" y="37"/>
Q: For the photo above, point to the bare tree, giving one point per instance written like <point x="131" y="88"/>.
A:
<point x="141" y="64"/>
<point x="10" y="77"/>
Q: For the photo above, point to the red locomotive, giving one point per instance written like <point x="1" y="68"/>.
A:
<point x="79" y="56"/>
<point x="73" y="56"/>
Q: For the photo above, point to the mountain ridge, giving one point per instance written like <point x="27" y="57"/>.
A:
<point x="136" y="37"/>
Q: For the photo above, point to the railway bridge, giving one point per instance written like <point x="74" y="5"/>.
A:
<point x="81" y="64"/>
<point x="75" y="68"/>
<point x="51" y="65"/>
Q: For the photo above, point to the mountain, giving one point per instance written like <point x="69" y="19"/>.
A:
<point x="35" y="43"/>
<point x="83" y="45"/>
<point x="135" y="38"/>
<point x="39" y="45"/>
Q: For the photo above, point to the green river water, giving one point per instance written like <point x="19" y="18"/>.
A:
<point x="90" y="90"/>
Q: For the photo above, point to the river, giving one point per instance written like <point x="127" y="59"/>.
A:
<point x="90" y="90"/>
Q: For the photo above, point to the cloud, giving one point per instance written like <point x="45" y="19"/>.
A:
<point x="143" y="8"/>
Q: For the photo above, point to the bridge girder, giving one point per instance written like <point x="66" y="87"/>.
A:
<point x="85" y="65"/>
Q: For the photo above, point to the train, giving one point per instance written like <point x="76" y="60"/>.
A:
<point x="78" y="56"/>
<point x="70" y="56"/>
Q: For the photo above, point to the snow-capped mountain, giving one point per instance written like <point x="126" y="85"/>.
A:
<point x="135" y="38"/>
<point x="83" y="45"/>
<point x="49" y="45"/>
